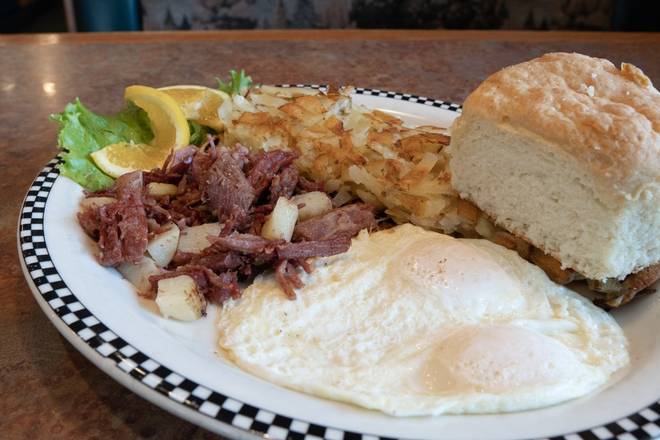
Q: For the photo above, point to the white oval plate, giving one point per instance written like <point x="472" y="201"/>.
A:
<point x="175" y="365"/>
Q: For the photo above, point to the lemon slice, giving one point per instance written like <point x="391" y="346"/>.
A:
<point x="168" y="124"/>
<point x="199" y="104"/>
<point x="124" y="157"/>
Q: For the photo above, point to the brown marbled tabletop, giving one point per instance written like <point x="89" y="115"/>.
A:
<point x="47" y="389"/>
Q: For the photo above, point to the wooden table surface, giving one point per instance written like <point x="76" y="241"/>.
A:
<point x="48" y="389"/>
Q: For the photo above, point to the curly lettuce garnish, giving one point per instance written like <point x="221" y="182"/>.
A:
<point x="238" y="83"/>
<point x="82" y="132"/>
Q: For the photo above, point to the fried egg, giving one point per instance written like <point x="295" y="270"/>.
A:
<point x="412" y="322"/>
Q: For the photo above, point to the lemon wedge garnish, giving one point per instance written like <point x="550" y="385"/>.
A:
<point x="124" y="157"/>
<point x="199" y="104"/>
<point x="168" y="124"/>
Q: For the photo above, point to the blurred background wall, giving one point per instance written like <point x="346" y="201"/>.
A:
<point x="107" y="15"/>
<point x="471" y="14"/>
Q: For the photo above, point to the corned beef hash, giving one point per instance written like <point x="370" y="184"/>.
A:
<point x="212" y="217"/>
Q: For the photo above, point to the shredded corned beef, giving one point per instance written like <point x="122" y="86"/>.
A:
<point x="201" y="163"/>
<point x="284" y="184"/>
<point x="229" y="192"/>
<point x="154" y="211"/>
<point x="245" y="243"/>
<point x="159" y="176"/>
<point x="309" y="249"/>
<point x="287" y="278"/>
<point x="233" y="187"/>
<point x="123" y="227"/>
<point x="213" y="258"/>
<point x="179" y="161"/>
<point x="346" y="221"/>
<point x="265" y="166"/>
<point x="306" y="185"/>
<point x="90" y="220"/>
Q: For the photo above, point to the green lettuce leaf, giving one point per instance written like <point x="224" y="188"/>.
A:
<point x="238" y="83"/>
<point x="82" y="132"/>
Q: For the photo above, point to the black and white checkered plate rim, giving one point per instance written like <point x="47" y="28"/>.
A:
<point x="102" y="343"/>
<point x="389" y="94"/>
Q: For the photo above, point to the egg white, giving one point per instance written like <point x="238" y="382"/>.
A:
<point x="412" y="322"/>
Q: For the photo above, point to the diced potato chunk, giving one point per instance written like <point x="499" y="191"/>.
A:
<point x="316" y="203"/>
<point x="163" y="246"/>
<point x="179" y="298"/>
<point x="95" y="202"/>
<point x="282" y="221"/>
<point x="161" y="189"/>
<point x="194" y="239"/>
<point x="138" y="274"/>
